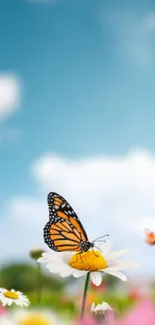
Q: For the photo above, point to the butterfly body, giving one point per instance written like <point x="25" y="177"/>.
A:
<point x="85" y="246"/>
<point x="64" y="231"/>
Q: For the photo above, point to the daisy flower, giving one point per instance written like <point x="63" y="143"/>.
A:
<point x="100" y="307"/>
<point x="36" y="317"/>
<point x="8" y="297"/>
<point x="103" y="312"/>
<point x="96" y="262"/>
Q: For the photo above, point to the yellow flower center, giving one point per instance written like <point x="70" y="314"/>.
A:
<point x="89" y="261"/>
<point x="11" y="294"/>
<point x="35" y="319"/>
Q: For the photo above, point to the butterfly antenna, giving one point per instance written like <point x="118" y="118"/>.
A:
<point x="100" y="241"/>
<point x="100" y="237"/>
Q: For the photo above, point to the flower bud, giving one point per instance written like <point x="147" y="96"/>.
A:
<point x="35" y="253"/>
<point x="102" y="312"/>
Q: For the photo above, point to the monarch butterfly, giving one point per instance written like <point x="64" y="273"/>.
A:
<point x="150" y="237"/>
<point x="64" y="231"/>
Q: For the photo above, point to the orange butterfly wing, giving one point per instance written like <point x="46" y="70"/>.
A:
<point x="64" y="231"/>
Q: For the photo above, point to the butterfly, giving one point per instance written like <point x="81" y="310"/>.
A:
<point x="64" y="231"/>
<point x="150" y="237"/>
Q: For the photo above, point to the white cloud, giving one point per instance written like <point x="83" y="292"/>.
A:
<point x="10" y="94"/>
<point x="112" y="195"/>
<point x="28" y="209"/>
<point x="120" y="189"/>
<point x="134" y="35"/>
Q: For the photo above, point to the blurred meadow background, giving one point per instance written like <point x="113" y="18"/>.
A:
<point x="77" y="117"/>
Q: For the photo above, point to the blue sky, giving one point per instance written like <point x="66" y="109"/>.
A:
<point x="85" y="73"/>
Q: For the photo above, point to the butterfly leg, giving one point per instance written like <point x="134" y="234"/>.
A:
<point x="94" y="252"/>
<point x="80" y="256"/>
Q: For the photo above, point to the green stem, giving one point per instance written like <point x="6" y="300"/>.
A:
<point x="39" y="283"/>
<point x="85" y="295"/>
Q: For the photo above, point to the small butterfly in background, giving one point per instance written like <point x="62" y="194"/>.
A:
<point x="150" y="237"/>
<point x="64" y="231"/>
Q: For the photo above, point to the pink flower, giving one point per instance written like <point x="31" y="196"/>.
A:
<point x="3" y="311"/>
<point x="91" y="321"/>
<point x="87" y="321"/>
<point x="143" y="314"/>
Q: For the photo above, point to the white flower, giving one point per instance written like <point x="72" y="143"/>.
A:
<point x="103" y="313"/>
<point x="37" y="317"/>
<point x="100" y="307"/>
<point x="8" y="297"/>
<point x="95" y="261"/>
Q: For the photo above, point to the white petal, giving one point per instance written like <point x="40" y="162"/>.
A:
<point x="78" y="273"/>
<point x="98" y="307"/>
<point x="4" y="303"/>
<point x="105" y="306"/>
<point x="18" y="302"/>
<point x="3" y="298"/>
<point x="26" y="300"/>
<point x="66" y="271"/>
<point x="65" y="256"/>
<point x="10" y="301"/>
<point x="25" y="304"/>
<point x="123" y="265"/>
<point x="114" y="255"/>
<point x="92" y="309"/>
<point x="58" y="262"/>
<point x="41" y="260"/>
<point x="48" y="257"/>
<point x="101" y="307"/>
<point x="53" y="268"/>
<point x="22" y="302"/>
<point x="111" y="269"/>
<point x="2" y="290"/>
<point x="96" y="278"/>
<point x="116" y="274"/>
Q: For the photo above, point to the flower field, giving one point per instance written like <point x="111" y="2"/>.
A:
<point x="60" y="288"/>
